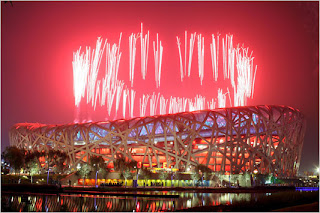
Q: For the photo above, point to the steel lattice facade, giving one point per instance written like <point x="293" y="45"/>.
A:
<point x="264" y="139"/>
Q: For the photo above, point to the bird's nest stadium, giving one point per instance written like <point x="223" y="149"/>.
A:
<point x="263" y="139"/>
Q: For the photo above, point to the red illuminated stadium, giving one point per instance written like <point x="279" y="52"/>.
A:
<point x="264" y="139"/>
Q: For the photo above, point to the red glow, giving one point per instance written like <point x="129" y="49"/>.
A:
<point x="138" y="206"/>
<point x="237" y="66"/>
<point x="38" y="46"/>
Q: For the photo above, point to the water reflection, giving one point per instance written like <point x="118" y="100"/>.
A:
<point x="102" y="203"/>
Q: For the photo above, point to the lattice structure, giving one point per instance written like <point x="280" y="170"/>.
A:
<point x="264" y="139"/>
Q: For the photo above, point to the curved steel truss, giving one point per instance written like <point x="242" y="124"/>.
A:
<point x="264" y="139"/>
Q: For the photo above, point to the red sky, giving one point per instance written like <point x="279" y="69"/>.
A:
<point x="38" y="40"/>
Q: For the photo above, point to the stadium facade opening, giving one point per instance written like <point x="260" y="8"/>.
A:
<point x="263" y="139"/>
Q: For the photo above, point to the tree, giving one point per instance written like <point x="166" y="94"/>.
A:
<point x="132" y="164"/>
<point x="32" y="163"/>
<point x="33" y="167"/>
<point x="163" y="175"/>
<point x="15" y="157"/>
<point x="55" y="160"/>
<point x="84" y="171"/>
<point x="120" y="164"/>
<point x="178" y="176"/>
<point x="216" y="179"/>
<point x="145" y="173"/>
<point x="98" y="165"/>
<point x="125" y="167"/>
<point x="195" y="177"/>
<point x="126" y="174"/>
<point x="204" y="170"/>
<point x="59" y="161"/>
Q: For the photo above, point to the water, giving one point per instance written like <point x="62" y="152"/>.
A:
<point x="103" y="203"/>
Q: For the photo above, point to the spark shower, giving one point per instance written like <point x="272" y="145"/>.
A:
<point x="236" y="66"/>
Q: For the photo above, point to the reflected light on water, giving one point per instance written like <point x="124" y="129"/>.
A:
<point x="102" y="203"/>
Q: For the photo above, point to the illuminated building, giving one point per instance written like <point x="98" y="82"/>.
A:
<point x="254" y="139"/>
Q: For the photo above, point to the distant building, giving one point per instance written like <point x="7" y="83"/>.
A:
<point x="254" y="139"/>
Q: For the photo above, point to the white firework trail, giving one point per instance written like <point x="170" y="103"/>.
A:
<point x="154" y="103"/>
<point x="163" y="105"/>
<point x="191" y="46"/>
<point x="97" y="94"/>
<point x="211" y="104"/>
<point x="183" y="69"/>
<point x="184" y="104"/>
<point x="192" y="105"/>
<point x="81" y="66"/>
<point x="237" y="66"/>
<point x="185" y="52"/>
<point x="224" y="58"/>
<point x="231" y="54"/>
<point x="245" y="77"/>
<point x="119" y="86"/>
<point x="181" y="104"/>
<point x="177" y="104"/>
<point x="197" y="104"/>
<point x="132" y="55"/>
<point x="254" y="78"/>
<point x="94" y="69"/>
<point x="201" y="57"/>
<point x="172" y="105"/>
<point x="157" y="61"/>
<point x="214" y="60"/>
<point x="105" y="89"/>
<point x="144" y="52"/>
<point x="218" y="36"/>
<point x="221" y="99"/>
<point x="118" y="57"/>
<point x="229" y="97"/>
<point x="143" y="105"/>
<point x="131" y="102"/>
<point x="110" y="94"/>
<point x="181" y="66"/>
<point x="113" y="56"/>
<point x="200" y="102"/>
<point x="110" y="83"/>
<point x="125" y="96"/>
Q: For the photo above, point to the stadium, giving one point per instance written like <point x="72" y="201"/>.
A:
<point x="254" y="139"/>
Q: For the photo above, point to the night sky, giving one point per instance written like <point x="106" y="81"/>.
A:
<point x="39" y="38"/>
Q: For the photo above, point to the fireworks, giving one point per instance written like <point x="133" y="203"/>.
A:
<point x="125" y="95"/>
<point x="214" y="57"/>
<point x="201" y="57"/>
<point x="181" y="66"/>
<point x="163" y="105"/>
<point x="237" y="67"/>
<point x="119" y="89"/>
<point x="93" y="73"/>
<point x="132" y="55"/>
<point x="143" y="105"/>
<point x="183" y="69"/>
<point x="177" y="104"/>
<point x="221" y="99"/>
<point x="211" y="104"/>
<point x="192" y="39"/>
<point x="154" y="103"/>
<point x="157" y="61"/>
<point x="131" y="103"/>
<point x="81" y="66"/>
<point x="144" y="52"/>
